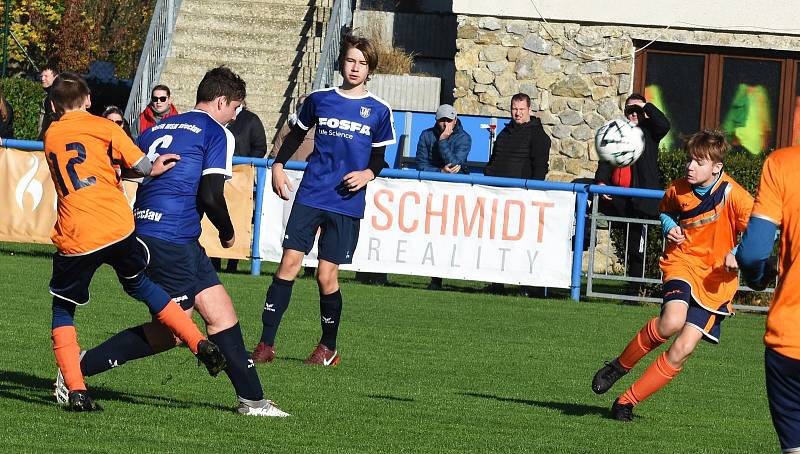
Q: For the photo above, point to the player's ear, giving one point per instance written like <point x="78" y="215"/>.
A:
<point x="716" y="169"/>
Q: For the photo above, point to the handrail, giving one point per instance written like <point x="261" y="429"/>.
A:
<point x="340" y="23"/>
<point x="151" y="62"/>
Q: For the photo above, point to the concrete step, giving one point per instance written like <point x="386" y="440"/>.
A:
<point x="249" y="40"/>
<point x="239" y="55"/>
<point x="201" y="23"/>
<point x="244" y="8"/>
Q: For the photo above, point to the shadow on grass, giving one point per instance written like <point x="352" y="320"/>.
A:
<point x="565" y="408"/>
<point x="392" y="398"/>
<point x="38" y="390"/>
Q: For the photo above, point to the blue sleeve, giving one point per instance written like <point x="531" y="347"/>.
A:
<point x="383" y="133"/>
<point x="456" y="149"/>
<point x="218" y="156"/>
<point x="308" y="113"/>
<point x="755" y="249"/>
<point x="424" y="150"/>
<point x="667" y="223"/>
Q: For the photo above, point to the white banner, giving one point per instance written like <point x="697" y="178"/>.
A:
<point x="450" y="230"/>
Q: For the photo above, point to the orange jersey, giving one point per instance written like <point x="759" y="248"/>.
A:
<point x="778" y="201"/>
<point x="81" y="150"/>
<point x="711" y="225"/>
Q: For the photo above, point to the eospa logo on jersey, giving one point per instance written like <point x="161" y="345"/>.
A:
<point x="344" y="125"/>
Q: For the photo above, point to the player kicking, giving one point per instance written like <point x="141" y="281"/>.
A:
<point x="95" y="226"/>
<point x="777" y="206"/>
<point x="168" y="212"/>
<point x="701" y="216"/>
<point x="353" y="129"/>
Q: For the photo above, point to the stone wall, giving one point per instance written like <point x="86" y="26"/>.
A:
<point x="577" y="75"/>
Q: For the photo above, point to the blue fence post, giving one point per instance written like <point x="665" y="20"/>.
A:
<point x="581" y="197"/>
<point x="255" y="262"/>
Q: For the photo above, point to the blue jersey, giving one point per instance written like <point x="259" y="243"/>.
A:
<point x="348" y="127"/>
<point x="166" y="207"/>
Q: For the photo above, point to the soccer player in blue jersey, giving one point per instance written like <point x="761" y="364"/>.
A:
<point x="353" y="129"/>
<point x="168" y="212"/>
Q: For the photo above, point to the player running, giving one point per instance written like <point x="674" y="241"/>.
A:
<point x="777" y="206"/>
<point x="95" y="226"/>
<point x="701" y="216"/>
<point x="353" y="129"/>
<point x="168" y="213"/>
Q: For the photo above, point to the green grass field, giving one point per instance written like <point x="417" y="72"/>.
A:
<point x="422" y="371"/>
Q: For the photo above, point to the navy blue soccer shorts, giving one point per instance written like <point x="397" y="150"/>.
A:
<point x="338" y="233"/>
<point x="708" y="322"/>
<point x="182" y="270"/>
<point x="783" y="392"/>
<point x="72" y="274"/>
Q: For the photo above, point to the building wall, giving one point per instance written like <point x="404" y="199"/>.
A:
<point x="577" y="74"/>
<point x="741" y="15"/>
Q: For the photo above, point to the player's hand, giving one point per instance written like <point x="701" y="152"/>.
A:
<point x="280" y="182"/>
<point x="451" y="168"/>
<point x="730" y="263"/>
<point x="676" y="235"/>
<point x="229" y="243"/>
<point x="356" y="180"/>
<point x="163" y="163"/>
<point x="603" y="196"/>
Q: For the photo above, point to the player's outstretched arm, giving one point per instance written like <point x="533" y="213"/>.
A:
<point x="753" y="255"/>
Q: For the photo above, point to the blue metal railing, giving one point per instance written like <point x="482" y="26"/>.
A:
<point x="582" y="192"/>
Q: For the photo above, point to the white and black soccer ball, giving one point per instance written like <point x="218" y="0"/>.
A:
<point x="619" y="142"/>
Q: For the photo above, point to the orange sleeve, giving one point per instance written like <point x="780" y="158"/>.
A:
<point x="768" y="203"/>
<point x="668" y="202"/>
<point x="123" y="147"/>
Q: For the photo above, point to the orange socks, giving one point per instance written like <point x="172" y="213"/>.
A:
<point x="654" y="378"/>
<point x="174" y="318"/>
<point x="645" y="340"/>
<point x="68" y="356"/>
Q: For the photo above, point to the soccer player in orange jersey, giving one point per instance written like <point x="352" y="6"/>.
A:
<point x="701" y="216"/>
<point x="95" y="226"/>
<point x="777" y="206"/>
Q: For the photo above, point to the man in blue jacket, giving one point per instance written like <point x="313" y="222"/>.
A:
<point x="445" y="146"/>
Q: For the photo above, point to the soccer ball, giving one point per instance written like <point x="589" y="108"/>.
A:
<point x="619" y="142"/>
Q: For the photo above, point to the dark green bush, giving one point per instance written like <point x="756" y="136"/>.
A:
<point x="25" y="97"/>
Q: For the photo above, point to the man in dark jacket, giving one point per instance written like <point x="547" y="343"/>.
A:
<point x="248" y="130"/>
<point x="643" y="173"/>
<point x="445" y="146"/>
<point x="522" y="149"/>
<point x="46" y="113"/>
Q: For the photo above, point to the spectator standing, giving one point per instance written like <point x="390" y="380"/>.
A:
<point x="46" y="113"/>
<point x="6" y="118"/>
<point x="251" y="142"/>
<point x="522" y="150"/>
<point x="116" y="115"/>
<point x="643" y="173"/>
<point x="443" y="148"/>
<point x="160" y="107"/>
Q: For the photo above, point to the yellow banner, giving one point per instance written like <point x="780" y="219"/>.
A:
<point x="239" y="197"/>
<point x="28" y="202"/>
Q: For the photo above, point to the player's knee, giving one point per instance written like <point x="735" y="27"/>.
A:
<point x="134" y="286"/>
<point x="328" y="281"/>
<point x="667" y="327"/>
